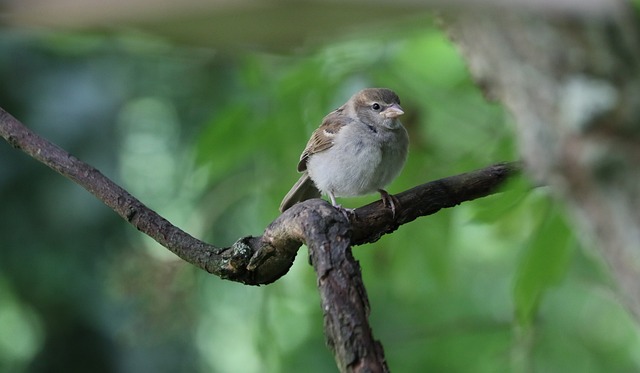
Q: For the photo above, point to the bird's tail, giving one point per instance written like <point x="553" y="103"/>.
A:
<point x="302" y="190"/>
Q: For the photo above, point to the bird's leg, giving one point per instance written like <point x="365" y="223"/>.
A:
<point x="333" y="199"/>
<point x="345" y="211"/>
<point x="390" y="201"/>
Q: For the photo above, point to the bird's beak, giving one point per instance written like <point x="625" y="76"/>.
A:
<point x="393" y="111"/>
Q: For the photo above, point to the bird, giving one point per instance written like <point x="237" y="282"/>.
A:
<point x="358" y="149"/>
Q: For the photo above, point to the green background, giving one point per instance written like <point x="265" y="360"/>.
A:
<point x="210" y="139"/>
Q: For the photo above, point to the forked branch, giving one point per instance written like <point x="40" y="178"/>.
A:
<point x="263" y="259"/>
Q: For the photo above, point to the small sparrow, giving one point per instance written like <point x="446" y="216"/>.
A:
<point x="358" y="149"/>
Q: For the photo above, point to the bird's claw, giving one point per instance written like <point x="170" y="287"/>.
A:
<point x="389" y="201"/>
<point x="346" y="212"/>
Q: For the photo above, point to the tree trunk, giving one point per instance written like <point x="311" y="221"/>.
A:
<point x="573" y="86"/>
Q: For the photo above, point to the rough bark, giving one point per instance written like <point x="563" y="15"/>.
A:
<point x="345" y="305"/>
<point x="264" y="259"/>
<point x="573" y="86"/>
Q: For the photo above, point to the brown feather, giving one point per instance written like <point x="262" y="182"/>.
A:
<point x="322" y="137"/>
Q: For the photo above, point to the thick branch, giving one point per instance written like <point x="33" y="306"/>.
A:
<point x="264" y="259"/>
<point x="344" y="301"/>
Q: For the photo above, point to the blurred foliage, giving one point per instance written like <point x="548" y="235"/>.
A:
<point x="211" y="140"/>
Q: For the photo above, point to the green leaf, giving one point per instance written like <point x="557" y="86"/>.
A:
<point x="543" y="264"/>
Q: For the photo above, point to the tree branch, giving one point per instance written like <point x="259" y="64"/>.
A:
<point x="374" y="220"/>
<point x="345" y="305"/>
<point x="263" y="259"/>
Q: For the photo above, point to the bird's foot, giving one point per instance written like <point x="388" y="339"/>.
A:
<point x="389" y="201"/>
<point x="346" y="212"/>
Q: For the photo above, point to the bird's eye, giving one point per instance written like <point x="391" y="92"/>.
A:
<point x="375" y="106"/>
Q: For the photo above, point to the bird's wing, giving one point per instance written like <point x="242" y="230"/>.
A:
<point x="323" y="137"/>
